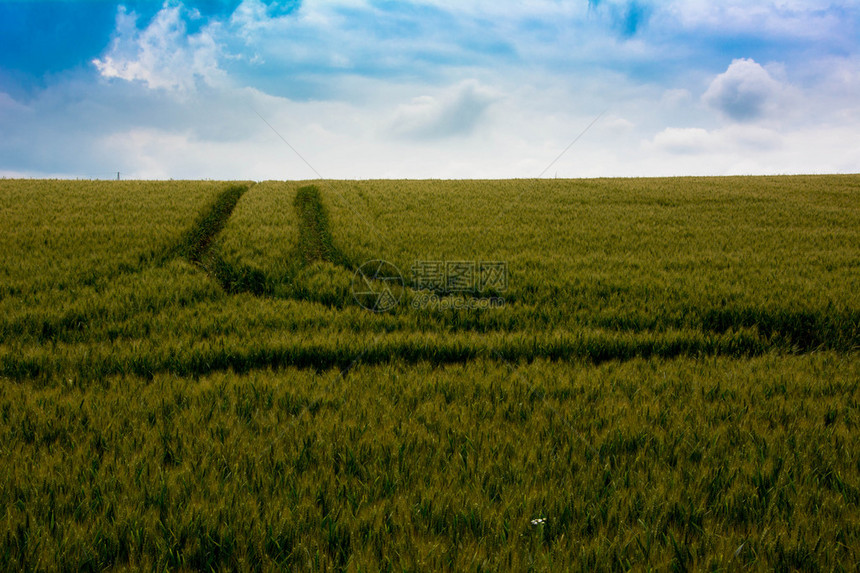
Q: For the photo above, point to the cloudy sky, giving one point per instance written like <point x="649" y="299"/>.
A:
<point x="300" y="89"/>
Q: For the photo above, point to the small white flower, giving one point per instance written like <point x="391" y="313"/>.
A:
<point x="539" y="521"/>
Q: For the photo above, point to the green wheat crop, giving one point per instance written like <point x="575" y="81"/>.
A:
<point x="671" y="382"/>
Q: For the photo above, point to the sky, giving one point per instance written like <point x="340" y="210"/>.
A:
<point x="358" y="89"/>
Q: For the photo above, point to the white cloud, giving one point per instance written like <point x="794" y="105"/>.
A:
<point x="744" y="139"/>
<point x="162" y="55"/>
<point x="683" y="140"/>
<point x="745" y="91"/>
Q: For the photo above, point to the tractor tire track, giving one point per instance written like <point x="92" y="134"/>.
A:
<point x="315" y="244"/>
<point x="195" y="244"/>
<point x="315" y="240"/>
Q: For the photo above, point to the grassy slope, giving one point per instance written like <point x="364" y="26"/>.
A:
<point x="130" y="440"/>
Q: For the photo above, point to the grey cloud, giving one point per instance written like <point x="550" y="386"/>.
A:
<point x="745" y="91"/>
<point x="456" y="113"/>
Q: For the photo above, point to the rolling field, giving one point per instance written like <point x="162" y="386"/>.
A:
<point x="613" y="374"/>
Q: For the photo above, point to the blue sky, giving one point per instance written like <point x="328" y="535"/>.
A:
<point x="432" y="88"/>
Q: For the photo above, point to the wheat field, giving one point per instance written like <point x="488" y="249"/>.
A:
<point x="609" y="374"/>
